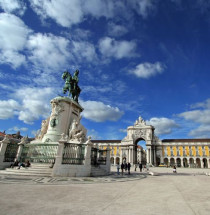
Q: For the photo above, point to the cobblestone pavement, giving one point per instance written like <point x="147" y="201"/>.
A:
<point x="33" y="180"/>
<point x="112" y="178"/>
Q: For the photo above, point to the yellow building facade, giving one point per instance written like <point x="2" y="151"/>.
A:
<point x="194" y="153"/>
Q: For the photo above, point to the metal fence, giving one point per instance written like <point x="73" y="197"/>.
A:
<point x="94" y="152"/>
<point x="39" y="153"/>
<point x="73" y="154"/>
<point x="102" y="157"/>
<point x="98" y="157"/>
<point x="11" y="152"/>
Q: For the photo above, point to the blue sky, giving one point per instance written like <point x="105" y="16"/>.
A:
<point x="136" y="57"/>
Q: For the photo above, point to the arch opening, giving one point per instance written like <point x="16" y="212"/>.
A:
<point x="198" y="163"/>
<point x="192" y="165"/>
<point x="140" y="151"/>
<point x="205" y="163"/>
<point x="178" y="162"/>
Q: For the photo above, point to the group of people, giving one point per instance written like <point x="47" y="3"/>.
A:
<point x="20" y="164"/>
<point x="127" y="166"/>
<point x="124" y="167"/>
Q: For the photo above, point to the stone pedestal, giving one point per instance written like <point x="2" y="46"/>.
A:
<point x="3" y="148"/>
<point x="20" y="149"/>
<point x="64" y="111"/>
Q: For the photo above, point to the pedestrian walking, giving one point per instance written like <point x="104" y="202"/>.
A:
<point x="135" y="167"/>
<point x="129" y="167"/>
<point x="122" y="168"/>
<point x="125" y="166"/>
<point x="140" y="167"/>
<point x="118" y="168"/>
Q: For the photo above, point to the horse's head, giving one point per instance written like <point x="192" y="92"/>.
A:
<point x="65" y="74"/>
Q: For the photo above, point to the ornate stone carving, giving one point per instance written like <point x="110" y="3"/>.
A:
<point x="149" y="135"/>
<point x="140" y="132"/>
<point x="44" y="128"/>
<point x="64" y="137"/>
<point x="56" y="107"/>
<point x="48" y="140"/>
<point x="53" y="122"/>
<point x="139" y="122"/>
<point x="77" y="131"/>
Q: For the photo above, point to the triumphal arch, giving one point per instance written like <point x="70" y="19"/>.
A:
<point x="139" y="131"/>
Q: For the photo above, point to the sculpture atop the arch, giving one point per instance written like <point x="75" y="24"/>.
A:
<point x="140" y="122"/>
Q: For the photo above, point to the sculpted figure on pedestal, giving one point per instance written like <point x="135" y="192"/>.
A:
<point x="6" y="137"/>
<point x="89" y="141"/>
<point x="44" y="128"/>
<point x="73" y="129"/>
<point x="77" y="131"/>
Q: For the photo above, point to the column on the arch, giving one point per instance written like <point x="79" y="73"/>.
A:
<point x="151" y="155"/>
<point x="148" y="155"/>
<point x="150" y="151"/>
<point x="127" y="152"/>
<point x="131" y="154"/>
<point x="154" y="156"/>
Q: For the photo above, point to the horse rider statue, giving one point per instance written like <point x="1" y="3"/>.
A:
<point x="71" y="84"/>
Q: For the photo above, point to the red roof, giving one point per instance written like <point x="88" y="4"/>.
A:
<point x="2" y="134"/>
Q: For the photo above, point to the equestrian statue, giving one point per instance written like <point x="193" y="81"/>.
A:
<point x="71" y="84"/>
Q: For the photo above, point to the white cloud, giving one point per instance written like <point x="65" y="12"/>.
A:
<point x="35" y="103"/>
<point x="202" y="131"/>
<point x="48" y="52"/>
<point x="15" y="129"/>
<point x="147" y="70"/>
<point x="205" y="105"/>
<point x="84" y="51"/>
<point x="99" y="112"/>
<point x="13" y="37"/>
<point x="65" y="13"/>
<point x="10" y="6"/>
<point x="143" y="7"/>
<point x="116" y="30"/>
<point x="30" y="104"/>
<point x="35" y="132"/>
<point x="123" y="130"/>
<point x="8" y="108"/>
<point x="109" y="47"/>
<point x="68" y="13"/>
<point x="200" y="117"/>
<point x="162" y="125"/>
<point x="94" y="134"/>
<point x="98" y="8"/>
